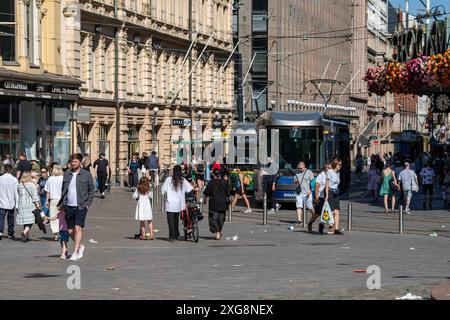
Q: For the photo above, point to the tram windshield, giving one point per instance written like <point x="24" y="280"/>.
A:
<point x="299" y="144"/>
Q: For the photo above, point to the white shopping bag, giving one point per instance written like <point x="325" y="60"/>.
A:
<point x="327" y="215"/>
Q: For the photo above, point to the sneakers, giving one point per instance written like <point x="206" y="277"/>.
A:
<point x="272" y="211"/>
<point x="1" y="236"/>
<point x="103" y="195"/>
<point x="248" y="211"/>
<point x="75" y="257"/>
<point x="81" y="251"/>
<point x="309" y="228"/>
<point x="321" y="227"/>
<point x="407" y="210"/>
<point x="64" y="256"/>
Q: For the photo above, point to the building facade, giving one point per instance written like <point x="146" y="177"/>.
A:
<point x="286" y="48"/>
<point x="36" y="97"/>
<point x="133" y="60"/>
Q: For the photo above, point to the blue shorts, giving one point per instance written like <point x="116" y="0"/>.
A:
<point x="63" y="236"/>
<point x="75" y="217"/>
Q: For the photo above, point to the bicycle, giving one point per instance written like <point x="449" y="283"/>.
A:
<point x="191" y="216"/>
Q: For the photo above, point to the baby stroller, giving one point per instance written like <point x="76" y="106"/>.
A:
<point x="191" y="216"/>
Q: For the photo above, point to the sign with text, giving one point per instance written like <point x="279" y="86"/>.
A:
<point x="181" y="122"/>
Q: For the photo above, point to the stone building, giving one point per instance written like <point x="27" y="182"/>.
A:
<point x="132" y="57"/>
<point x="283" y="45"/>
<point x="36" y="95"/>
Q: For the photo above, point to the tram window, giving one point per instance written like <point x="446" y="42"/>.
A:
<point x="298" y="145"/>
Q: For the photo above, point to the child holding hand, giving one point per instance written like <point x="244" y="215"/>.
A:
<point x="144" y="211"/>
<point x="63" y="232"/>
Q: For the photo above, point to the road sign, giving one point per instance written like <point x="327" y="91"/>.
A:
<point x="181" y="122"/>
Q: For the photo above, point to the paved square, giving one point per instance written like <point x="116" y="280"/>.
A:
<point x="265" y="262"/>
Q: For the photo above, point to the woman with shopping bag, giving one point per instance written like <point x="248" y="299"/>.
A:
<point x="320" y="197"/>
<point x="334" y="195"/>
<point x="27" y="204"/>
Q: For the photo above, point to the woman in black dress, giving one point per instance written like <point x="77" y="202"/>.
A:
<point x="218" y="192"/>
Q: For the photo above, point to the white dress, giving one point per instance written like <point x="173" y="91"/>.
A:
<point x="143" y="208"/>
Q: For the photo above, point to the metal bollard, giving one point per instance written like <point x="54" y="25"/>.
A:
<point x="230" y="213"/>
<point x="400" y="220"/>
<point x="349" y="217"/>
<point x="156" y="195"/>
<point x="304" y="215"/>
<point x="265" y="209"/>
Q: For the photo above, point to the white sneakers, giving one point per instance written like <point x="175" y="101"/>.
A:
<point x="248" y="211"/>
<point x="81" y="251"/>
<point x="79" y="255"/>
<point x="74" y="257"/>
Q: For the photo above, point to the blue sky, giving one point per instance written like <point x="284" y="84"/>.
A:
<point x="416" y="4"/>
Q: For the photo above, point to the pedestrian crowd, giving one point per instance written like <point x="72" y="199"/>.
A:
<point x="397" y="179"/>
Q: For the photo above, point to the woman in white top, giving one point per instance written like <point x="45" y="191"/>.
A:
<point x="53" y="188"/>
<point x="175" y="187"/>
<point x="333" y="196"/>
<point x="144" y="211"/>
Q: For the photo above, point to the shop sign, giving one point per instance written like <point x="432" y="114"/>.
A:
<point x="422" y="40"/>
<point x="15" y="85"/>
<point x="22" y="86"/>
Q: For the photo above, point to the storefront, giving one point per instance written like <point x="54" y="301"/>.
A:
<point x="35" y="115"/>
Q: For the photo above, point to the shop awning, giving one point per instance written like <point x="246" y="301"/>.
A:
<point x="38" y="86"/>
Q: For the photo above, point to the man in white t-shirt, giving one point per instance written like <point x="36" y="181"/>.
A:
<point x="427" y="177"/>
<point x="303" y="179"/>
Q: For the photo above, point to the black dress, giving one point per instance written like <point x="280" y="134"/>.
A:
<point x="218" y="192"/>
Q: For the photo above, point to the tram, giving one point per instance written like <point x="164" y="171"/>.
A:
<point x="303" y="136"/>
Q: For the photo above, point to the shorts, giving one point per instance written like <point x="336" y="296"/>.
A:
<point x="428" y="188"/>
<point x="63" y="236"/>
<point x="300" y="198"/>
<point x="334" y="201"/>
<point x="75" y="217"/>
<point x="407" y="194"/>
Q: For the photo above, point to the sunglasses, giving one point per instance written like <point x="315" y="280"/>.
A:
<point x="43" y="171"/>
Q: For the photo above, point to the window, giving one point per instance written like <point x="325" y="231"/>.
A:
<point x="103" y="142"/>
<point x="83" y="137"/>
<point x="32" y="33"/>
<point x="7" y="30"/>
<point x="105" y="65"/>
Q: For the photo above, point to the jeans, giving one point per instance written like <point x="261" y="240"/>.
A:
<point x="102" y="181"/>
<point x="44" y="209"/>
<point x="133" y="179"/>
<point x="10" y="217"/>
<point x="172" y="221"/>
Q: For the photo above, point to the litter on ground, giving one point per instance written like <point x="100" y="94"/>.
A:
<point x="233" y="238"/>
<point x="92" y="241"/>
<point x="412" y="248"/>
<point x="434" y="234"/>
<point x="238" y="265"/>
<point x="291" y="228"/>
<point x="409" y="296"/>
<point x="345" y="248"/>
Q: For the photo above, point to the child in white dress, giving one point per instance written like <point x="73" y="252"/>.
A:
<point x="144" y="207"/>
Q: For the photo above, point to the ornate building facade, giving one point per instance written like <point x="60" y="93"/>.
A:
<point x="133" y="60"/>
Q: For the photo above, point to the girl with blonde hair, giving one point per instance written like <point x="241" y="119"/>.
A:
<point x="28" y="201"/>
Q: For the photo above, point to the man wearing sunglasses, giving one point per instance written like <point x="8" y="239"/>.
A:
<point x="41" y="190"/>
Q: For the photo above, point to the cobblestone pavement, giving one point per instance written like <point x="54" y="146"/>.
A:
<point x="265" y="262"/>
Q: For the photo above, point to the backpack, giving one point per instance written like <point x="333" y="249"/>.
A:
<point x="313" y="187"/>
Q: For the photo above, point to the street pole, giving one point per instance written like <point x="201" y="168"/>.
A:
<point x="190" y="83"/>
<point x="265" y="209"/>
<point x="400" y="221"/>
<point x="349" y="218"/>
<point x="116" y="91"/>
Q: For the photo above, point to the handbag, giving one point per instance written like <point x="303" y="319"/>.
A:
<point x="298" y="190"/>
<point x="392" y="185"/>
<point x="37" y="214"/>
<point x="326" y="215"/>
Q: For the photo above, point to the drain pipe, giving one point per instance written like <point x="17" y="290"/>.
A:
<point x="116" y="92"/>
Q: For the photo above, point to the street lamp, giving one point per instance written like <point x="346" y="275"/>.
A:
<point x="155" y="116"/>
